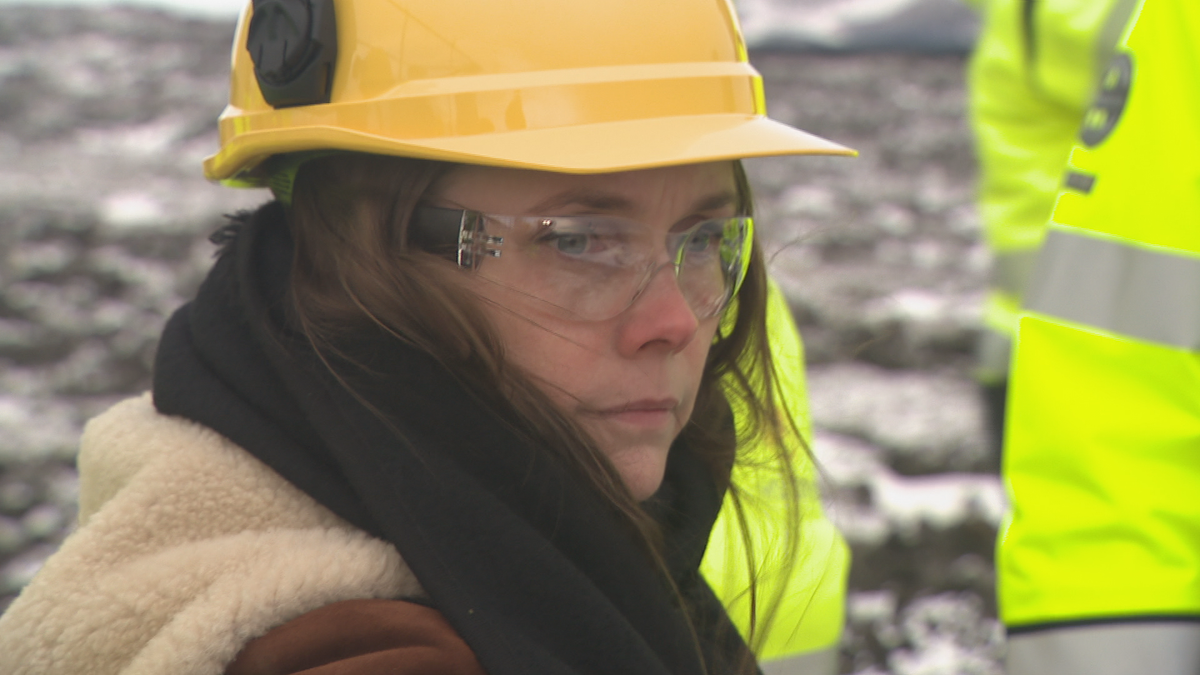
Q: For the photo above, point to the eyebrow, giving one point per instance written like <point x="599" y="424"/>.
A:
<point x="612" y="202"/>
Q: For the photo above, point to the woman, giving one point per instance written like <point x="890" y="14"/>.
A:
<point x="460" y="399"/>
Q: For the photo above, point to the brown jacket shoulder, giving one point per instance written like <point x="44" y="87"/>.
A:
<point x="360" y="637"/>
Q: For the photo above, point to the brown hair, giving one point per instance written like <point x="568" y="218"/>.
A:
<point x="353" y="268"/>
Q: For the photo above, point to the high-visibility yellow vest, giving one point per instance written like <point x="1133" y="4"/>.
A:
<point x="1031" y="76"/>
<point x="804" y="635"/>
<point x="1099" y="562"/>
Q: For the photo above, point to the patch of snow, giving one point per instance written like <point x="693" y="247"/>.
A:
<point x="210" y="9"/>
<point x="131" y="210"/>
<point x="894" y="219"/>
<point x="948" y="636"/>
<point x="142" y="140"/>
<point x="942" y="656"/>
<point x="34" y="428"/>
<point x="916" y="304"/>
<point x="934" y="419"/>
<point x="850" y="25"/>
<point x="871" y="606"/>
<point x="896" y="503"/>
<point x="939" y="501"/>
<point x="845" y="460"/>
<point x="813" y="200"/>
<point x="860" y="525"/>
<point x="924" y="310"/>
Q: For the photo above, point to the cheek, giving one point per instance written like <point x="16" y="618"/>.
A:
<point x="562" y="359"/>
<point x="697" y="351"/>
<point x="573" y="361"/>
<point x="695" y="357"/>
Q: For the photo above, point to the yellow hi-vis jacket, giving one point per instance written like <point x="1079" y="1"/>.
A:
<point x="1031" y="78"/>
<point x="804" y="635"/>
<point x="1099" y="563"/>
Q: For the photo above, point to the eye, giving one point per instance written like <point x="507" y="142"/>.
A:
<point x="706" y="238"/>
<point x="588" y="239"/>
<point x="580" y="238"/>
<point x="702" y="241"/>
<point x="570" y="243"/>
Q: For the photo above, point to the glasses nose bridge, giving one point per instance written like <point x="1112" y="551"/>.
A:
<point x="669" y="255"/>
<point x="652" y="270"/>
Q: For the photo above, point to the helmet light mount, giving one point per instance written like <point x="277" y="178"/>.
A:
<point x="293" y="44"/>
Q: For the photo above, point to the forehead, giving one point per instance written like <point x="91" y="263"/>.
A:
<point x="706" y="186"/>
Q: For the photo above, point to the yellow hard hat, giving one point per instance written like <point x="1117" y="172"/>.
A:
<point x="577" y="86"/>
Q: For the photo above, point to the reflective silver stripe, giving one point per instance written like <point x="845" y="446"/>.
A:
<point x="824" y="662"/>
<point x="1012" y="270"/>
<point x="1151" y="295"/>
<point x="1166" y="648"/>
<point x="1079" y="181"/>
<point x="1110" y="33"/>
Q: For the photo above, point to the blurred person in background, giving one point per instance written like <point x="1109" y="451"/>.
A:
<point x="369" y="447"/>
<point x="1031" y="78"/>
<point x="1099" y="561"/>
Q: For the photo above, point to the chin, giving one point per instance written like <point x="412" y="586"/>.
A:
<point x="642" y="470"/>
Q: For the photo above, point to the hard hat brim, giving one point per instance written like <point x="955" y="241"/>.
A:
<point x="594" y="148"/>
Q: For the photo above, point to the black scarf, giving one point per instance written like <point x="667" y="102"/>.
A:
<point x="533" y="570"/>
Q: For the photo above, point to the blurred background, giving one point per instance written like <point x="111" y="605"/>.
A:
<point x="107" y="110"/>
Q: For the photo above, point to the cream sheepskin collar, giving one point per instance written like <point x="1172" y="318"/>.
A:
<point x="187" y="548"/>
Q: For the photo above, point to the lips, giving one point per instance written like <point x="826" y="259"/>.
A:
<point x="642" y="413"/>
<point x="644" y="405"/>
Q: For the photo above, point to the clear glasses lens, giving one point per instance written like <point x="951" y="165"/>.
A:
<point x="595" y="267"/>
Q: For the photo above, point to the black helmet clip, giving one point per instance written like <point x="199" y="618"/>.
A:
<point x="294" y="47"/>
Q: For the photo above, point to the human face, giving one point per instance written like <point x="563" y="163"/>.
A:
<point x="631" y="380"/>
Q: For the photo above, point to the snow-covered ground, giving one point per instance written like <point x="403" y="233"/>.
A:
<point x="103" y="216"/>
<point x="859" y="25"/>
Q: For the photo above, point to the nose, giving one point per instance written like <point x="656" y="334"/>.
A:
<point x="659" y="318"/>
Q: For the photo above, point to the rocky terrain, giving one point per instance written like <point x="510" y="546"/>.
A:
<point x="104" y="117"/>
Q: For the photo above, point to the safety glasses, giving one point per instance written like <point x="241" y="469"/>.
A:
<point x="590" y="268"/>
